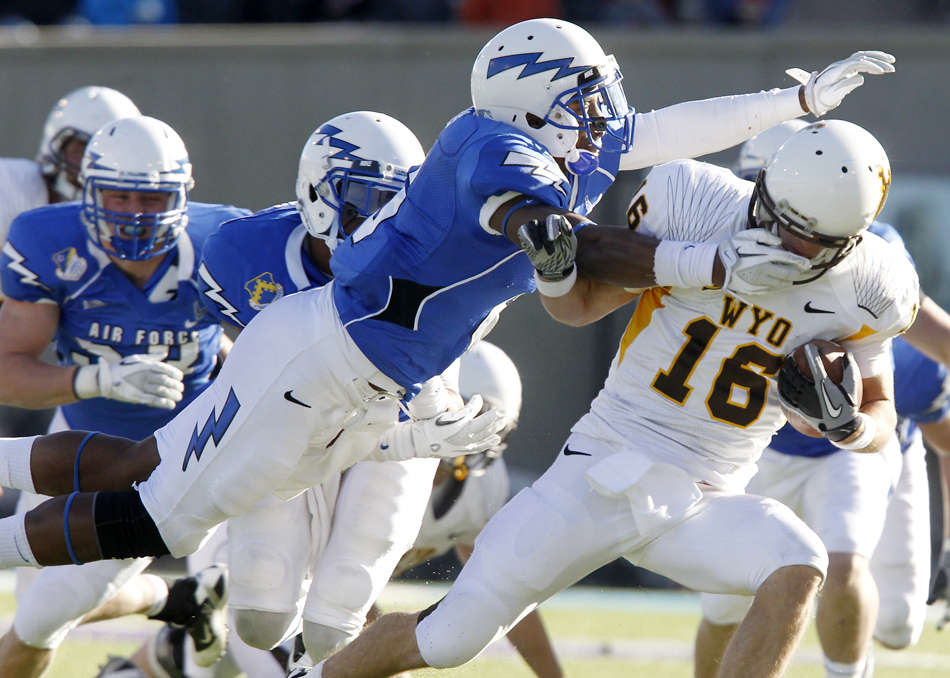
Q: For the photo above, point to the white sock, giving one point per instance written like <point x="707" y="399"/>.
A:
<point x="15" y="456"/>
<point x="15" y="549"/>
<point x="161" y="594"/>
<point x="841" y="670"/>
<point x="869" y="665"/>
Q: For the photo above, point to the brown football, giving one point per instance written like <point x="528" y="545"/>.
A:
<point x="831" y="357"/>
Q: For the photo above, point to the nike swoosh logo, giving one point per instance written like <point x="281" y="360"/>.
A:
<point x="568" y="452"/>
<point x="833" y="411"/>
<point x="289" y="398"/>
<point x="190" y="323"/>
<point x="744" y="255"/>
<point x="811" y="309"/>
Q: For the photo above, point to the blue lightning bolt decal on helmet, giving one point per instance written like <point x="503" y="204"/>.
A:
<point x="350" y="167"/>
<point x="552" y="80"/>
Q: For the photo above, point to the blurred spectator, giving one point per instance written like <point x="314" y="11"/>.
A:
<point x="646" y="13"/>
<point x="507" y="12"/>
<point x="251" y="11"/>
<point x="761" y="13"/>
<point x="391" y="10"/>
<point x="48" y="12"/>
<point x="128" y="12"/>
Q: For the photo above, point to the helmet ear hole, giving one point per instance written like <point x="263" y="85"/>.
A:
<point x="534" y="121"/>
<point x="313" y="193"/>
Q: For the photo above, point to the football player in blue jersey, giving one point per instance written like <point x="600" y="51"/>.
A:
<point x="871" y="511"/>
<point x="350" y="166"/>
<point x="318" y="379"/>
<point x="51" y="178"/>
<point x="112" y="279"/>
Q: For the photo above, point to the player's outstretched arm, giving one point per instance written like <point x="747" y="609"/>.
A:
<point x="695" y="128"/>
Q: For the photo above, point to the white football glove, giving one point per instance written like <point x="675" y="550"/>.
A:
<point x="550" y="245"/>
<point x="826" y="89"/>
<point x="139" y="379"/>
<point x="447" y="435"/>
<point x="756" y="263"/>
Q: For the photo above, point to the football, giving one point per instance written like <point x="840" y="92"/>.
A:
<point x="831" y="357"/>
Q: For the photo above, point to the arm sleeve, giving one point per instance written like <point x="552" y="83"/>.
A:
<point x="695" y="128"/>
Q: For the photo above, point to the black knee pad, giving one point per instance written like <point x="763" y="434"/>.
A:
<point x="429" y="610"/>
<point x="124" y="529"/>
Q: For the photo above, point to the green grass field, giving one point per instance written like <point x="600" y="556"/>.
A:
<point x="598" y="634"/>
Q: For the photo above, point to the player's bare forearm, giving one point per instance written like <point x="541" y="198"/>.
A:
<point x="617" y="256"/>
<point x="878" y="403"/>
<point x="587" y="302"/>
<point x="28" y="382"/>
<point x="937" y="436"/>
<point x="26" y="329"/>
<point x="930" y="333"/>
<point x="531" y="640"/>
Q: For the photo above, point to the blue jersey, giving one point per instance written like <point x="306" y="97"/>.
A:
<point x="790" y="441"/>
<point x="48" y="258"/>
<point x="253" y="261"/>
<point x="425" y="276"/>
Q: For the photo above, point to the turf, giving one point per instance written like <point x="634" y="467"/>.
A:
<point x="598" y="634"/>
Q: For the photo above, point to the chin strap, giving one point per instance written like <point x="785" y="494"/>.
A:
<point x="581" y="162"/>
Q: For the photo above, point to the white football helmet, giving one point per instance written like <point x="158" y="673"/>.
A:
<point x="136" y="154"/>
<point x="488" y="371"/>
<point x="77" y="116"/>
<point x="755" y="153"/>
<point x="350" y="167"/>
<point x="825" y="184"/>
<point x="552" y="80"/>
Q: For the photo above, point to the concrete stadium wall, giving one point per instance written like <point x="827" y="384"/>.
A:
<point x="246" y="98"/>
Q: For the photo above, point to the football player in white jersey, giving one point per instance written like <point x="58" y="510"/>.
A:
<point x="655" y="471"/>
<point x="54" y="175"/>
<point x="415" y="286"/>
<point x="875" y="524"/>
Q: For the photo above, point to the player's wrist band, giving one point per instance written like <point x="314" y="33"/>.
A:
<point x="86" y="382"/>
<point x="865" y="438"/>
<point x="556" y="288"/>
<point x="684" y="264"/>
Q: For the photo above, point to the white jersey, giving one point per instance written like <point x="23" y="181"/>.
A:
<point x="22" y="188"/>
<point x="694" y="380"/>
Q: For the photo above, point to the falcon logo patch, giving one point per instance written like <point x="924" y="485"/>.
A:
<point x="69" y="265"/>
<point x="264" y="290"/>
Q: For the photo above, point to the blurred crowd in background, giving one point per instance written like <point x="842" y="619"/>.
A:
<point x="641" y="13"/>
